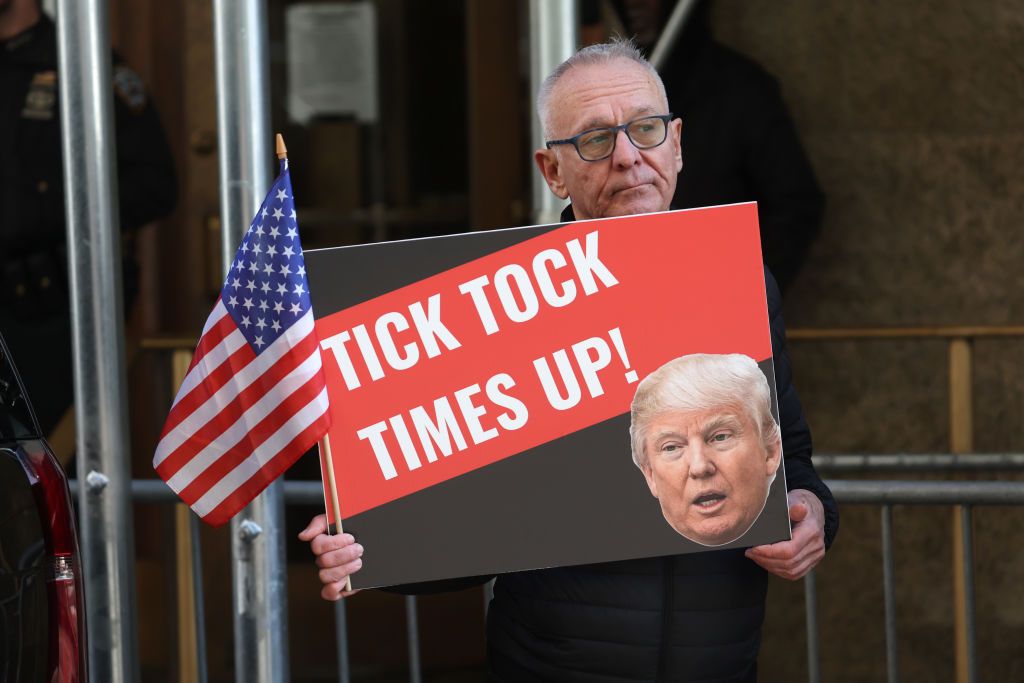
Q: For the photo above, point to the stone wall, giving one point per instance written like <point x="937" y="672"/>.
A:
<point x="913" y="116"/>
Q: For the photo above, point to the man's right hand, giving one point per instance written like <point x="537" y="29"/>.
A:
<point x="337" y="556"/>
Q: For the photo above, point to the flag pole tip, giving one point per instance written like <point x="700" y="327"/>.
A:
<point x="282" y="151"/>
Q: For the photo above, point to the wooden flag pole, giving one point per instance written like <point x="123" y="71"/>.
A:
<point x="332" y="486"/>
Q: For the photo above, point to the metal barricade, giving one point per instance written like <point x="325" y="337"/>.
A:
<point x="885" y="494"/>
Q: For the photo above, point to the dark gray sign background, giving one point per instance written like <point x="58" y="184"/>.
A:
<point x="576" y="500"/>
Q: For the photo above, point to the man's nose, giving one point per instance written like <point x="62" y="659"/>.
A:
<point x="701" y="463"/>
<point x="625" y="153"/>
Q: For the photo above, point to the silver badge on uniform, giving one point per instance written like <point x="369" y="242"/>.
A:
<point x="42" y="96"/>
<point x="129" y="88"/>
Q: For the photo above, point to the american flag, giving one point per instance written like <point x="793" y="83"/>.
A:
<point x="254" y="398"/>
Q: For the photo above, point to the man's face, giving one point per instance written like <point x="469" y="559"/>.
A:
<point x="709" y="471"/>
<point x="631" y="180"/>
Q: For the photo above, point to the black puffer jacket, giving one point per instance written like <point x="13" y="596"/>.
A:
<point x="694" y="617"/>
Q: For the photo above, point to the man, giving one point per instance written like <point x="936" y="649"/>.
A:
<point x="702" y="433"/>
<point x="681" y="618"/>
<point x="34" y="298"/>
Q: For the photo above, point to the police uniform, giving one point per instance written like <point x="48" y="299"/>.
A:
<point x="34" y="297"/>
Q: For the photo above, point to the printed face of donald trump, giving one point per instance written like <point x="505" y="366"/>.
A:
<point x="707" y="445"/>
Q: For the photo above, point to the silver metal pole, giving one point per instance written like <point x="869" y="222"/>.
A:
<point x="243" y="125"/>
<point x="413" y="631"/>
<point x="94" y="260"/>
<point x="554" y="25"/>
<point x="892" y="663"/>
<point x="811" y="609"/>
<point x="197" y="598"/>
<point x="669" y="34"/>
<point x="341" y="642"/>
<point x="972" y="642"/>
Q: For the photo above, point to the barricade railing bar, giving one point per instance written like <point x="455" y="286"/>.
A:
<point x="883" y="493"/>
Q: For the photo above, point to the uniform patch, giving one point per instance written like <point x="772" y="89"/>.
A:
<point x="129" y="88"/>
<point x="42" y="97"/>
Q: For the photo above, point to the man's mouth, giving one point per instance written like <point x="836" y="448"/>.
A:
<point x="628" y="188"/>
<point x="709" y="501"/>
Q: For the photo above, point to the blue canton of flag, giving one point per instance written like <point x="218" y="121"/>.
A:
<point x="266" y="290"/>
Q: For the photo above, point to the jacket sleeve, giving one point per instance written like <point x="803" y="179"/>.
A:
<point x="796" y="435"/>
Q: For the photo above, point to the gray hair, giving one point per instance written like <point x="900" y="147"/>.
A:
<point x="697" y="382"/>
<point x="601" y="53"/>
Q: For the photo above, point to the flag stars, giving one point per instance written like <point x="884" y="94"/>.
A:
<point x="282" y="288"/>
<point x="278" y="214"/>
<point x="271" y="250"/>
<point x="259" y="230"/>
<point x="296" y="309"/>
<point x="285" y="270"/>
<point x="265" y="287"/>
<point x="299" y="289"/>
<point x="246" y="322"/>
<point x="292" y="233"/>
<point x="252" y="267"/>
<point x="292" y="216"/>
<point x="260" y="324"/>
<point x="275" y="326"/>
<point x="281" y="194"/>
<point x="278" y="307"/>
<point x="263" y="305"/>
<point x="233" y="302"/>
<point x="274" y="232"/>
<point x="251" y="285"/>
<point x="268" y="269"/>
<point x="248" y="304"/>
<point x="263" y="213"/>
<point x="236" y="283"/>
<point x="302" y="271"/>
<point x="288" y="251"/>
<point x="259" y="342"/>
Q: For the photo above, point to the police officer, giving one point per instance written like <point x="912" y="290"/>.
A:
<point x="34" y="297"/>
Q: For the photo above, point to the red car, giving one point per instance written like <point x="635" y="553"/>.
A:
<point x="42" y="611"/>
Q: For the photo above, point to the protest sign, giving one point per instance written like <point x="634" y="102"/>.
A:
<point x="480" y="389"/>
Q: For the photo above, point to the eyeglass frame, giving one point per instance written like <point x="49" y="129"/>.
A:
<point x="575" y="139"/>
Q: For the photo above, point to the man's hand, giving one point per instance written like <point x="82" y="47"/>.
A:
<point x="337" y="556"/>
<point x="794" y="558"/>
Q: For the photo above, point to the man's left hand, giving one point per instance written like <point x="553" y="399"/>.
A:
<point x="794" y="558"/>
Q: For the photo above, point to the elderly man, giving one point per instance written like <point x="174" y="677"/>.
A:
<point x="614" y="150"/>
<point x="702" y="433"/>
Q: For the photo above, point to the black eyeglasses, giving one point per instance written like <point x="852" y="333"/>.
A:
<point x="599" y="143"/>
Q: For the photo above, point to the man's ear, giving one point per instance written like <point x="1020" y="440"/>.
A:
<point x="649" y="476"/>
<point x="774" y="456"/>
<point x="547" y="163"/>
<point x="677" y="137"/>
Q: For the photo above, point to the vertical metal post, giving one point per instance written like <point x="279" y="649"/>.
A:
<point x="811" y="609"/>
<point x="244" y="146"/>
<point x="968" y="575"/>
<point x="554" y="26"/>
<point x="670" y="34"/>
<point x="413" y="631"/>
<point x="341" y="641"/>
<point x="961" y="436"/>
<point x="94" y="260"/>
<point x="892" y="664"/>
<point x="198" y="612"/>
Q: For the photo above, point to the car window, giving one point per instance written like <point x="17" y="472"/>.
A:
<point x="16" y="419"/>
